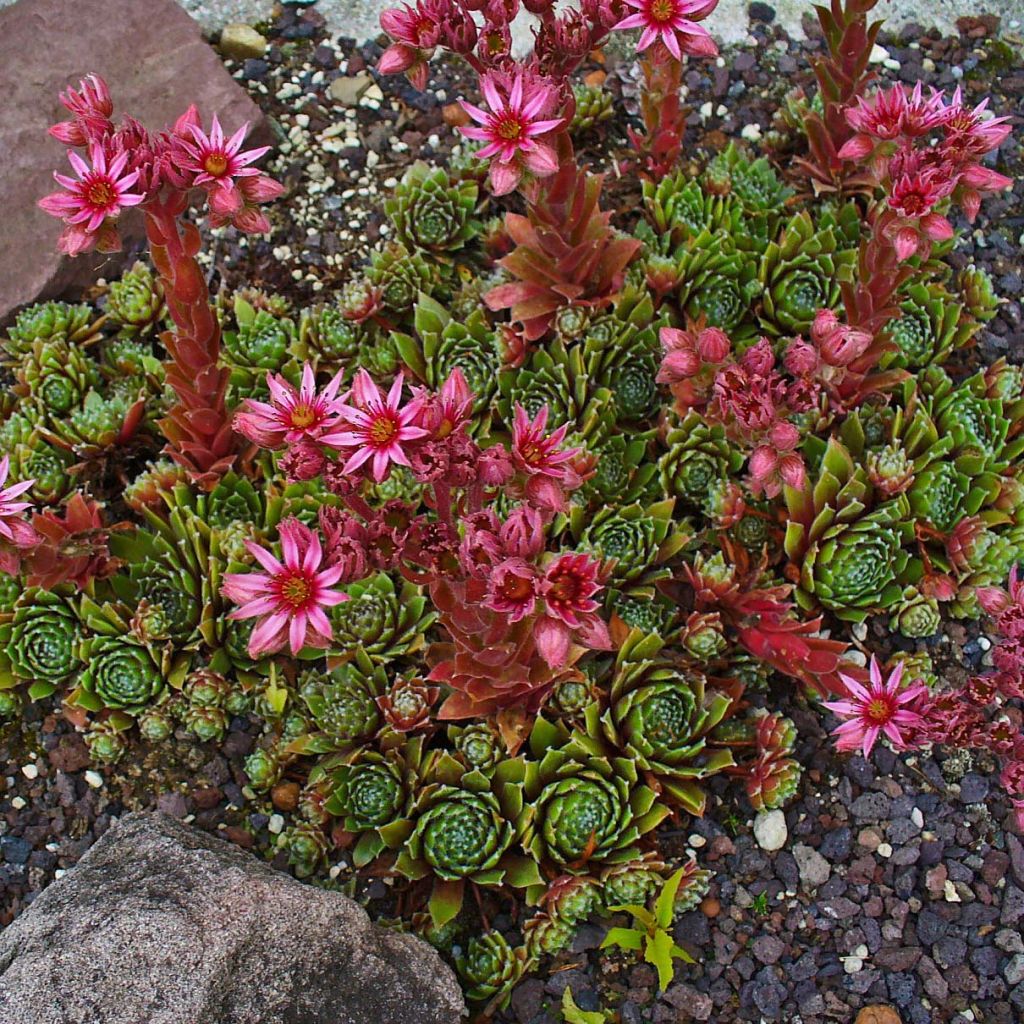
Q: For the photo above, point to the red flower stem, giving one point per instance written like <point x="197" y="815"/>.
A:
<point x="198" y="427"/>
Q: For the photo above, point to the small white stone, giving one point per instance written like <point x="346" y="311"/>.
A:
<point x="59" y="873"/>
<point x="17" y="803"/>
<point x="276" y="824"/>
<point x="30" y="771"/>
<point x="861" y="951"/>
<point x="891" y="64"/>
<point x="302" y="120"/>
<point x="860" y="631"/>
<point x="770" y="830"/>
<point x="858" y="657"/>
<point x="697" y="841"/>
<point x="878" y="54"/>
<point x="751" y="132"/>
<point x="94" y="779"/>
<point x="984" y="643"/>
<point x="372" y="158"/>
<point x="949" y="890"/>
<point x="705" y="110"/>
<point x="917" y="817"/>
<point x="928" y="64"/>
<point x="884" y="850"/>
<point x="852" y="964"/>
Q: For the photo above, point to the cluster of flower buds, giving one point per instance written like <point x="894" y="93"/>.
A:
<point x="748" y="395"/>
<point x="125" y="165"/>
<point x="500" y="566"/>
<point x="925" y="152"/>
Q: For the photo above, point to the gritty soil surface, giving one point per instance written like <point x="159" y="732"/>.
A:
<point x="898" y="885"/>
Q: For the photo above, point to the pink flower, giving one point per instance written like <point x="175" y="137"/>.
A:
<point x="291" y="415"/>
<point x="674" y="23"/>
<point x="511" y="128"/>
<point x="415" y="31"/>
<point x="218" y="163"/>
<point x="512" y="589"/>
<point x="838" y="344"/>
<point x="100" y="193"/>
<point x="775" y="464"/>
<point x="570" y="611"/>
<point x="536" y="453"/>
<point x="91" y="107"/>
<point x="445" y="413"/>
<point x="16" y="533"/>
<point x="290" y="596"/>
<point x="380" y="427"/>
<point x="880" y="707"/>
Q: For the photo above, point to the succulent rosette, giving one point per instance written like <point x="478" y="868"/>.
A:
<point x="698" y="457"/>
<point x="583" y="809"/>
<point x="383" y="619"/>
<point x="490" y="967"/>
<point x="432" y="212"/>
<point x="135" y="303"/>
<point x="119" y="674"/>
<point x="52" y="321"/>
<point x="42" y="640"/>
<point x="660" y="717"/>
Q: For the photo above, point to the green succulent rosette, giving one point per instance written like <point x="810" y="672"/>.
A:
<point x="639" y="540"/>
<point x="594" y="106"/>
<point x="263" y="767"/>
<point x="479" y="745"/>
<point x="719" y="282"/>
<point x="634" y="882"/>
<point x="442" y="343"/>
<point x="41" y="641"/>
<point x="489" y="968"/>
<point x="384" y="620"/>
<point x="52" y="321"/>
<point x="119" y="674"/>
<point x="698" y="456"/>
<point x="930" y="326"/>
<point x="327" y="340"/>
<point x="56" y="376"/>
<point x="107" y="742"/>
<point x="857" y="566"/>
<point x="401" y="275"/>
<point x="47" y="465"/>
<point x="307" y="848"/>
<point x="342" y="705"/>
<point x="556" y="377"/>
<point x="977" y="294"/>
<point x="917" y="616"/>
<point x="660" y="717"/>
<point x="622" y="472"/>
<point x="433" y="212"/>
<point x="802" y="271"/>
<point x="97" y="424"/>
<point x="461" y="827"/>
<point x="135" y="303"/>
<point x="582" y="809"/>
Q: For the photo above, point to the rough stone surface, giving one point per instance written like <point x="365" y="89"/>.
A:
<point x="49" y="44"/>
<point x="164" y="924"/>
<point x="770" y="830"/>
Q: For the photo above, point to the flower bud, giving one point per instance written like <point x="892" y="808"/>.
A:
<point x="713" y="345"/>
<point x="784" y="436"/>
<point x="801" y="358"/>
<point x="844" y="345"/>
<point x="825" y="322"/>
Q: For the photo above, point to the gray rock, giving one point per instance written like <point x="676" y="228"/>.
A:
<point x="1013" y="972"/>
<point x="153" y="75"/>
<point x="164" y="924"/>
<point x="814" y="869"/>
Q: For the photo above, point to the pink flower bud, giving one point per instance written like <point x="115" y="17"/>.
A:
<point x="784" y="436"/>
<point x="936" y="227"/>
<point x="759" y="359"/>
<point x="825" y="322"/>
<point x="495" y="467"/>
<point x="801" y="358"/>
<point x="396" y="59"/>
<point x="905" y="243"/>
<point x="678" y="366"/>
<point x="762" y="464"/>
<point x="713" y="345"/>
<point x="792" y="471"/>
<point x="844" y="345"/>
<point x="857" y="148"/>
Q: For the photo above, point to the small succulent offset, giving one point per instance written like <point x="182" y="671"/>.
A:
<point x="505" y="547"/>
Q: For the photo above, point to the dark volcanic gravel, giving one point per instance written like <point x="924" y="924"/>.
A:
<point x="898" y="884"/>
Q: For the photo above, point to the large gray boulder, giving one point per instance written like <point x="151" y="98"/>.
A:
<point x="162" y="924"/>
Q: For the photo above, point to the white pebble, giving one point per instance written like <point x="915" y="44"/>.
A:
<point x="17" y="803"/>
<point x="30" y="771"/>
<point x="949" y="891"/>
<point x="878" y="54"/>
<point x="770" y="830"/>
<point x="94" y="779"/>
<point x="276" y="824"/>
<point x="697" y="841"/>
<point x="852" y="964"/>
<point x="705" y="110"/>
<point x="751" y="132"/>
<point x="917" y="817"/>
<point x="884" y="850"/>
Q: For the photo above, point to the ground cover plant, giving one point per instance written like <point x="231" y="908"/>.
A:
<point x="504" y="543"/>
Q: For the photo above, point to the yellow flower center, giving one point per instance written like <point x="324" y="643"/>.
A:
<point x="101" y="193"/>
<point x="879" y="710"/>
<point x="383" y="432"/>
<point x="215" y="164"/>
<point x="303" y="415"/>
<point x="295" y="590"/>
<point x="510" y="128"/>
<point x="663" y="10"/>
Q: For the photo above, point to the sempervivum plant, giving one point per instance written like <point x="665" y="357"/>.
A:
<point x="42" y="640"/>
<point x="489" y="967"/>
<point x="583" y="809"/>
<point x="383" y="620"/>
<point x="136" y="302"/>
<point x="431" y="212"/>
<point x="52" y="321"/>
<point x="119" y="674"/>
<point x="660" y="716"/>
